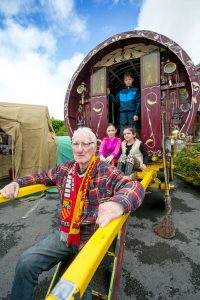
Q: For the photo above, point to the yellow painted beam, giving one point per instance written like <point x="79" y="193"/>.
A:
<point x="31" y="189"/>
<point x="82" y="269"/>
<point x="155" y="168"/>
<point x="147" y="178"/>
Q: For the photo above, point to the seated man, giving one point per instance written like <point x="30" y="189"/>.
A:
<point x="88" y="188"/>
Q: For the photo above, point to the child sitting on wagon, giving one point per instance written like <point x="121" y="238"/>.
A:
<point x="134" y="157"/>
<point x="110" y="147"/>
<point x="130" y="104"/>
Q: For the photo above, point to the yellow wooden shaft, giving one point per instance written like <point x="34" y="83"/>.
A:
<point x="31" y="189"/>
<point x="149" y="173"/>
<point x="87" y="261"/>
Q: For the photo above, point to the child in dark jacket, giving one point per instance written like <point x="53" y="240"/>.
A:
<point x="130" y="103"/>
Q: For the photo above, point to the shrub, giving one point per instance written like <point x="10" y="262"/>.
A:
<point x="59" y="127"/>
<point x="188" y="163"/>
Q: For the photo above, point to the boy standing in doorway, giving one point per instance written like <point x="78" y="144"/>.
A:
<point x="130" y="104"/>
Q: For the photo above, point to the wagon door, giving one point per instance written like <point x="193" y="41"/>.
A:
<point x="99" y="101"/>
<point x="150" y="102"/>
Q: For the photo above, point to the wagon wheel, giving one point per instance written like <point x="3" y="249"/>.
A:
<point x="117" y="268"/>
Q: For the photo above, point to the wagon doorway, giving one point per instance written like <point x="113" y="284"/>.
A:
<point x="146" y="73"/>
<point x="116" y="83"/>
<point x="102" y="110"/>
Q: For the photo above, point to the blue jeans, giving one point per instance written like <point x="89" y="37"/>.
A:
<point x="126" y="119"/>
<point x="41" y="257"/>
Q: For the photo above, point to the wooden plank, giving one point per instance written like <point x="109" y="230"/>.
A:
<point x="24" y="191"/>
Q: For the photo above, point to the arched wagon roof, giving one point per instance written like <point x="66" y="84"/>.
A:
<point x="131" y="37"/>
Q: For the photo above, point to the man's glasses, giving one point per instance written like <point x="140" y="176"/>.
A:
<point x="85" y="145"/>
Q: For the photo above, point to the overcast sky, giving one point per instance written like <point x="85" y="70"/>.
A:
<point x="42" y="42"/>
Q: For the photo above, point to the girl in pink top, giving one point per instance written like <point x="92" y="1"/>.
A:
<point x="110" y="147"/>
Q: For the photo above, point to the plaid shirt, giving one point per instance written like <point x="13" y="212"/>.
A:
<point x="107" y="184"/>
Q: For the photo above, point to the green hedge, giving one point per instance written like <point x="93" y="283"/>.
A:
<point x="59" y="127"/>
<point x="188" y="163"/>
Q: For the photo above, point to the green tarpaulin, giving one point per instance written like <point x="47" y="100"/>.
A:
<point x="64" y="153"/>
<point x="64" y="149"/>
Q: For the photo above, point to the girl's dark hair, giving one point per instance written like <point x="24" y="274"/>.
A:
<point x="128" y="74"/>
<point x="132" y="129"/>
<point x="110" y="124"/>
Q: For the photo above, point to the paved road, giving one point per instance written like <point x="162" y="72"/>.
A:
<point x="154" y="268"/>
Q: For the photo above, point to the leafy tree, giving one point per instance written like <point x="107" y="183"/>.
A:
<point x="188" y="163"/>
<point x="59" y="127"/>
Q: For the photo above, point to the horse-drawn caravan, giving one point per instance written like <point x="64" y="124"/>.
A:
<point x="170" y="95"/>
<point x="162" y="71"/>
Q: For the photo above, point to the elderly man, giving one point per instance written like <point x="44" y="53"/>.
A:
<point x="92" y="193"/>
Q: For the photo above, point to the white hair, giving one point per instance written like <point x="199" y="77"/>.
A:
<point x="88" y="131"/>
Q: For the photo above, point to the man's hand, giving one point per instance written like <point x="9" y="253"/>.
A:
<point x="135" y="118"/>
<point x="10" y="190"/>
<point x="108" y="211"/>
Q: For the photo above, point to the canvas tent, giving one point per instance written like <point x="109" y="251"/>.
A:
<point x="34" y="145"/>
